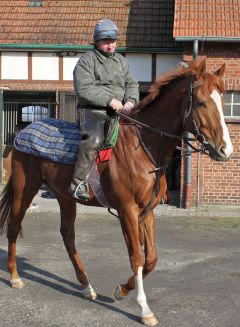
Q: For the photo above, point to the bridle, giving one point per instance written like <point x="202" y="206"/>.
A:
<point x="191" y="109"/>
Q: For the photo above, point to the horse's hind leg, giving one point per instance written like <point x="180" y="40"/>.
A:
<point x="25" y="187"/>
<point x="22" y="200"/>
<point x="68" y="215"/>
<point x="20" y="205"/>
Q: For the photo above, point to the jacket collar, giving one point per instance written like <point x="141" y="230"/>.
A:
<point x="102" y="58"/>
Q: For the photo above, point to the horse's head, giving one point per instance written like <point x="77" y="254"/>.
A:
<point x="205" y="114"/>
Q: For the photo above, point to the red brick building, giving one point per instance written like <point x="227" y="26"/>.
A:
<point x="215" y="27"/>
<point x="40" y="42"/>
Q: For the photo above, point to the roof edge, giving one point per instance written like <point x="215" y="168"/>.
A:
<point x="151" y="50"/>
<point x="207" y="38"/>
<point x="62" y="47"/>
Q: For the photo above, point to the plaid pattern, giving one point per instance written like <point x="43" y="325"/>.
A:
<point x="51" y="139"/>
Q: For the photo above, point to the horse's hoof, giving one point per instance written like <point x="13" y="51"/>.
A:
<point x="89" y="293"/>
<point x="93" y="296"/>
<point x="149" y="320"/>
<point x="17" y="283"/>
<point x="118" y="293"/>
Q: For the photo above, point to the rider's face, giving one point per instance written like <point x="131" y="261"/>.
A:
<point x="107" y="45"/>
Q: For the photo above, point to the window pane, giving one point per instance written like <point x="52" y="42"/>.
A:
<point x="26" y="114"/>
<point x="228" y="97"/>
<point x="236" y="110"/>
<point x="236" y="97"/>
<point x="227" y="110"/>
<point x="34" y="113"/>
<point x="39" y="113"/>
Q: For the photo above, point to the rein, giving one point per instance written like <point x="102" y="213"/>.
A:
<point x="152" y="129"/>
<point x="198" y="136"/>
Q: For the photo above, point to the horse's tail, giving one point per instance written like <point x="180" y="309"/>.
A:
<point x="6" y="200"/>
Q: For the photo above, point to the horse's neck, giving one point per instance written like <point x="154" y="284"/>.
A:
<point x="166" y="114"/>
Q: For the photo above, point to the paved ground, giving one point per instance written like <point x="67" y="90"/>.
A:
<point x="196" y="282"/>
<point x="47" y="205"/>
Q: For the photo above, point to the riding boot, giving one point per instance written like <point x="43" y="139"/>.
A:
<point x="92" y="137"/>
<point x="79" y="187"/>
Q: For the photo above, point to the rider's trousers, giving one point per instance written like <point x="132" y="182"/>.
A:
<point x="92" y="125"/>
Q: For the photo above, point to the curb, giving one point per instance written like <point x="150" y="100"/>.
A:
<point x="43" y="204"/>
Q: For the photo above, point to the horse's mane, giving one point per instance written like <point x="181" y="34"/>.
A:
<point x="183" y="71"/>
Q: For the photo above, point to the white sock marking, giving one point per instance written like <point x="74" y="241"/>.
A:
<point x="141" y="297"/>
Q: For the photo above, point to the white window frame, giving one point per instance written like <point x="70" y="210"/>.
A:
<point x="232" y="103"/>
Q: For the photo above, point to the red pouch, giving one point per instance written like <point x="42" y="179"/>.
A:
<point x="104" y="155"/>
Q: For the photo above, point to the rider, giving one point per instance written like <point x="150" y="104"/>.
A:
<point x="103" y="84"/>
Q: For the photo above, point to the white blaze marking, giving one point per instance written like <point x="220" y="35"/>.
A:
<point x="217" y="99"/>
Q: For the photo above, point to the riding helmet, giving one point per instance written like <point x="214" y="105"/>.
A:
<point x="105" y="29"/>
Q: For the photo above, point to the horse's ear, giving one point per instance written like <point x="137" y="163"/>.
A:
<point x="220" y="71"/>
<point x="201" y="69"/>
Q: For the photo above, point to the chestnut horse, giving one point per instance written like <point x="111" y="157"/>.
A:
<point x="133" y="181"/>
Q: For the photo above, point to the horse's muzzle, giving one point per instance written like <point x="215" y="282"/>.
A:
<point x="217" y="154"/>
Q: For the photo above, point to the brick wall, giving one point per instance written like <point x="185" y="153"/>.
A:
<point x="217" y="182"/>
<point x="221" y="181"/>
<point x="228" y="53"/>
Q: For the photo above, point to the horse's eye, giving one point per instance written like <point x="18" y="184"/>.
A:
<point x="201" y="105"/>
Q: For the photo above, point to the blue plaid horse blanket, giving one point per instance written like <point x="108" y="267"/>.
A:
<point x="52" y="139"/>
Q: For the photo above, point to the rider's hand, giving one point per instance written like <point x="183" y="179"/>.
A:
<point x="116" y="105"/>
<point x="128" y="105"/>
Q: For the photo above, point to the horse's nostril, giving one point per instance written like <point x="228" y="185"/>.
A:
<point x="221" y="150"/>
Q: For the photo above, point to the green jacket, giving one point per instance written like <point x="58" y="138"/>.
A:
<point x="97" y="80"/>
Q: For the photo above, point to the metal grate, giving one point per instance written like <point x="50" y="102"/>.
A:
<point x="17" y="115"/>
<point x="9" y="123"/>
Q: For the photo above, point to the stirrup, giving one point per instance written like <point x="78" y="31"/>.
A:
<point x="81" y="194"/>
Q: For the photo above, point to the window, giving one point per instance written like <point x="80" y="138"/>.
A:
<point x="33" y="113"/>
<point x="232" y="104"/>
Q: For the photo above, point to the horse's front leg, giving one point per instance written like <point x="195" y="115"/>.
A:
<point x="134" y="237"/>
<point x="147" y="240"/>
<point x="68" y="215"/>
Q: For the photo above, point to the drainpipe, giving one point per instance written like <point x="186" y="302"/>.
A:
<point x="188" y="148"/>
<point x="1" y="136"/>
